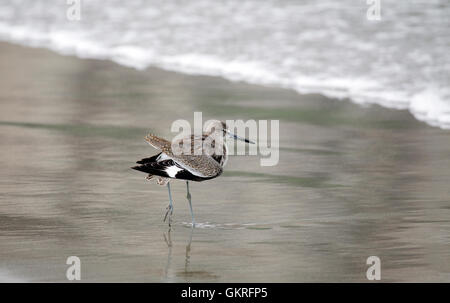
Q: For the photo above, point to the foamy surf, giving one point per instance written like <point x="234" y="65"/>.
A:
<point x="400" y="62"/>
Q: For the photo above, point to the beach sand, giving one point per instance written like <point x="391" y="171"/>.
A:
<point x="351" y="182"/>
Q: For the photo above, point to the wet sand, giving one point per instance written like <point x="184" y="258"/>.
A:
<point x="352" y="182"/>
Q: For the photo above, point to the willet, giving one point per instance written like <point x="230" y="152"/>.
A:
<point x="191" y="166"/>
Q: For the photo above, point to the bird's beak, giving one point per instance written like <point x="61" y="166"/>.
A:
<point x="236" y="137"/>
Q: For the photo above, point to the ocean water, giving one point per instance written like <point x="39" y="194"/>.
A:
<point x="325" y="47"/>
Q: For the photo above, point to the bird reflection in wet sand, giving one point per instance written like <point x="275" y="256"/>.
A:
<point x="195" y="165"/>
<point x="168" y="240"/>
<point x="187" y="261"/>
<point x="187" y="274"/>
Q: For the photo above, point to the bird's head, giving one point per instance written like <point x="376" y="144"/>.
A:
<point x="220" y="128"/>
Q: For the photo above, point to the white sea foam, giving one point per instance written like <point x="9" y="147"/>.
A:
<point x="313" y="47"/>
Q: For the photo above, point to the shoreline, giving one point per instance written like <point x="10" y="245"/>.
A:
<point x="224" y="78"/>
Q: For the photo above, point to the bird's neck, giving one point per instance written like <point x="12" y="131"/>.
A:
<point x="225" y="154"/>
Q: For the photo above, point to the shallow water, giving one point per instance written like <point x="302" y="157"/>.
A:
<point x="352" y="182"/>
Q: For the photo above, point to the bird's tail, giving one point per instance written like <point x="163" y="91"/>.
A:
<point x="159" y="143"/>
<point x="143" y="167"/>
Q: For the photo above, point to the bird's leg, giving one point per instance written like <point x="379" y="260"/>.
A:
<point x="188" y="196"/>
<point x="169" y="211"/>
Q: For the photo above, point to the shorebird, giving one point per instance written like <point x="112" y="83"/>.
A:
<point x="198" y="161"/>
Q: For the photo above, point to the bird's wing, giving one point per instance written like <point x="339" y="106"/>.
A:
<point x="159" y="143"/>
<point x="164" y="166"/>
<point x="199" y="165"/>
<point x="194" y="142"/>
<point x="203" y="166"/>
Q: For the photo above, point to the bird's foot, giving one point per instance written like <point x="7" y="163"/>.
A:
<point x="193" y="223"/>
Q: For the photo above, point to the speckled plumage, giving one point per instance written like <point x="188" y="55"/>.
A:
<point x="206" y="165"/>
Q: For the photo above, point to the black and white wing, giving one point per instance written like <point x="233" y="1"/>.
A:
<point x="165" y="166"/>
